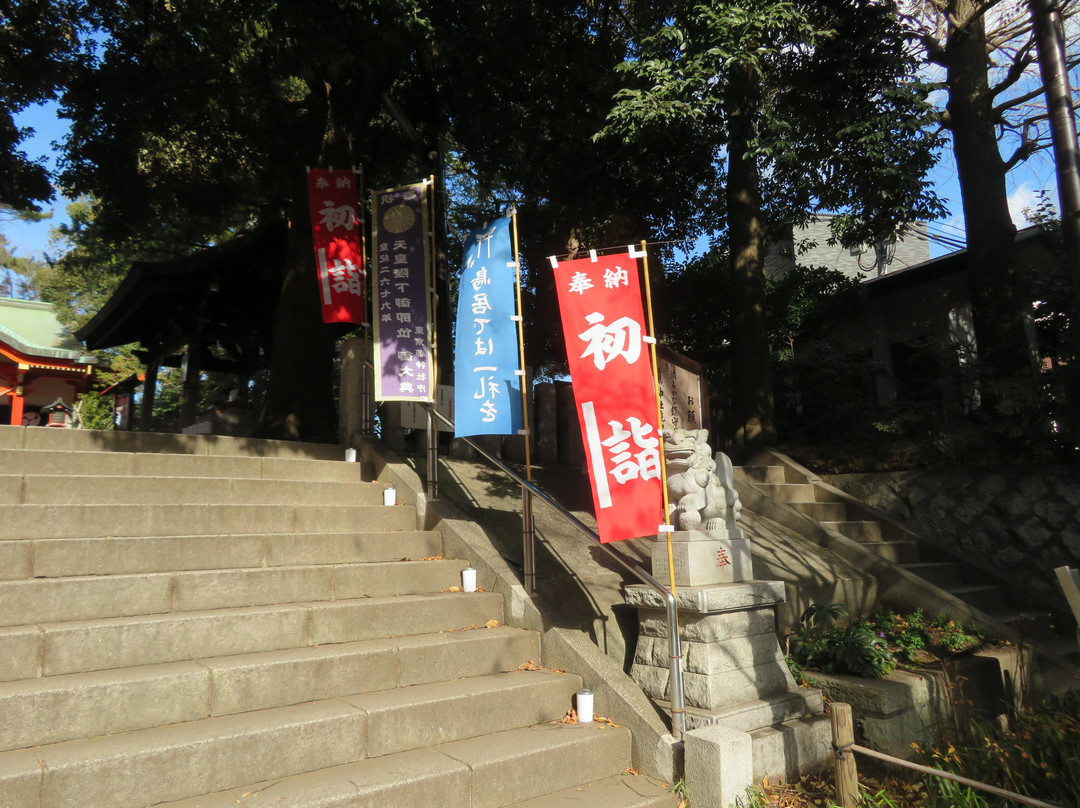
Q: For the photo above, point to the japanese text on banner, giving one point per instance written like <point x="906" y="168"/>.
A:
<point x="335" y="229"/>
<point x="486" y="387"/>
<point x="401" y="301"/>
<point x="611" y="370"/>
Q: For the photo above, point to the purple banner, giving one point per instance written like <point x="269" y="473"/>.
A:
<point x="402" y="316"/>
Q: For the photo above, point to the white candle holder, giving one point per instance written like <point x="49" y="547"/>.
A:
<point x="585" y="706"/>
<point x="468" y="579"/>
<point x="389" y="496"/>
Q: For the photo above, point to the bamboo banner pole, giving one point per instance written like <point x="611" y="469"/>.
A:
<point x="433" y="302"/>
<point x="367" y="379"/>
<point x="528" y="533"/>
<point x="521" y="346"/>
<point x="666" y="519"/>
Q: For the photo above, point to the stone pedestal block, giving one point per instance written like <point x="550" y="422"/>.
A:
<point x="703" y="561"/>
<point x="730" y="651"/>
<point x="719" y="765"/>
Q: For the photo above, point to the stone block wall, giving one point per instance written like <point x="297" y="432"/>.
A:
<point x="1017" y="523"/>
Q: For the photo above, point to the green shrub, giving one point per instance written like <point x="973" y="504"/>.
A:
<point x="1038" y="756"/>
<point x="849" y="648"/>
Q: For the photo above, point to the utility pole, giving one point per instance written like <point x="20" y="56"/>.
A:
<point x="1050" y="43"/>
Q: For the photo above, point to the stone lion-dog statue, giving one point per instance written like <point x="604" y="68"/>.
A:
<point x="700" y="496"/>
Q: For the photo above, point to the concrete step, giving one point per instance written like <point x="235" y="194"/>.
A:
<point x="57" y="489"/>
<point x="625" y="790"/>
<point x="54" y="558"/>
<point x="102" y="463"/>
<point x="89" y="521"/>
<point x="199" y="757"/>
<point x="863" y="531"/>
<point x="985" y="597"/>
<point x="51" y="600"/>
<point x="52" y="649"/>
<point x="899" y="552"/>
<point x="760" y="474"/>
<point x="86" y="705"/>
<point x="758" y="713"/>
<point x="822" y="511"/>
<point x="487" y="772"/>
<point x="789" y="750"/>
<point x="788" y="492"/>
<point x="945" y="574"/>
<point x="89" y="440"/>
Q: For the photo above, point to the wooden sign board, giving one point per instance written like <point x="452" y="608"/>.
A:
<point x="684" y="395"/>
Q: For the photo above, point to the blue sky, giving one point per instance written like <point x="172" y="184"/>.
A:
<point x="31" y="239"/>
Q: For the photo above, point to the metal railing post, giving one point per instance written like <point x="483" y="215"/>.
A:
<point x="528" y="540"/>
<point x="432" y="455"/>
<point x="678" y="695"/>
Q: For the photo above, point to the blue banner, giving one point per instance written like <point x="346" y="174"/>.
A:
<point x="487" y="389"/>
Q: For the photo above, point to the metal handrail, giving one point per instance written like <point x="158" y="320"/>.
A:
<point x="678" y="699"/>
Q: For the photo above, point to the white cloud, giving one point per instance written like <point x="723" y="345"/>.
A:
<point x="1022" y="197"/>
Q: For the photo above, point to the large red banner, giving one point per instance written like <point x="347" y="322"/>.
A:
<point x="611" y="370"/>
<point x="339" y="256"/>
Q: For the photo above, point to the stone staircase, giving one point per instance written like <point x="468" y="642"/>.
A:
<point x="829" y="508"/>
<point x="988" y="604"/>
<point x="205" y="621"/>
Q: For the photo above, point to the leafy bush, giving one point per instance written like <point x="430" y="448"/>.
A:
<point x="848" y="648"/>
<point x="914" y="633"/>
<point x="1039" y="756"/>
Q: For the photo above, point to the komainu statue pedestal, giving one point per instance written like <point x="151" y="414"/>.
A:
<point x="702" y="557"/>
<point x="734" y="671"/>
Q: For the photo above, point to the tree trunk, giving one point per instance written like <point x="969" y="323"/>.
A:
<point x="752" y="415"/>
<point x="996" y="307"/>
<point x="300" y="400"/>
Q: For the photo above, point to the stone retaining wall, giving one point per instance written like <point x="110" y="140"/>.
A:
<point x="1017" y="523"/>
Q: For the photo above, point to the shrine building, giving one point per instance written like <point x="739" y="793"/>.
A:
<point x="42" y="366"/>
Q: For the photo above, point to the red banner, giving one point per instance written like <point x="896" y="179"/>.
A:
<point x="339" y="257"/>
<point x="611" y="370"/>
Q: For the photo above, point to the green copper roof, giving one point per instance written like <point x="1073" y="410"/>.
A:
<point x="31" y="327"/>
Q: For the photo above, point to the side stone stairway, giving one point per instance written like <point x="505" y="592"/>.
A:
<point x="784" y="481"/>
<point x="205" y="621"/>
<point x="817" y="502"/>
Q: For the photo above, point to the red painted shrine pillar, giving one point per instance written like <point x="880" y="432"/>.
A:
<point x="17" y="400"/>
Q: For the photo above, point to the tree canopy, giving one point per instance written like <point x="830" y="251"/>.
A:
<point x="604" y="121"/>
<point x="818" y="108"/>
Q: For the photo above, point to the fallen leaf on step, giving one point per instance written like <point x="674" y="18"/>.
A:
<point x="454" y="589"/>
<point x="570" y="717"/>
<point x="491" y="624"/>
<point x="529" y="666"/>
<point x="633" y="772"/>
